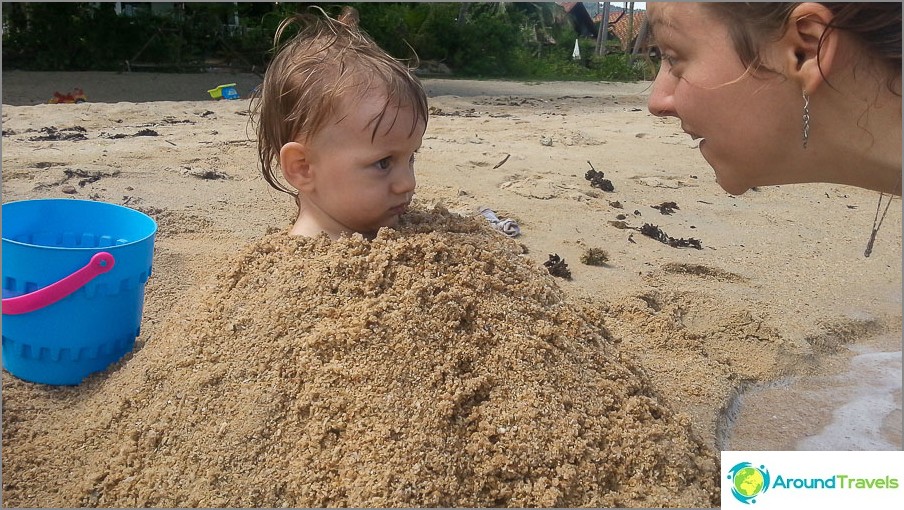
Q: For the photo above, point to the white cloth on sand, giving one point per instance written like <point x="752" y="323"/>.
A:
<point x="507" y="226"/>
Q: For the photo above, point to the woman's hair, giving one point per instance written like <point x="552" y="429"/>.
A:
<point x="877" y="25"/>
<point x="307" y="83"/>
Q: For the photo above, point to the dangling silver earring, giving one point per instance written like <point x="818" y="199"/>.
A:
<point x="806" y="118"/>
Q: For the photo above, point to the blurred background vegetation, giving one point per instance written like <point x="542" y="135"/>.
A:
<point x="517" y="40"/>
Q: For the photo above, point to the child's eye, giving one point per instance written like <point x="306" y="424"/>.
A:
<point x="384" y="163"/>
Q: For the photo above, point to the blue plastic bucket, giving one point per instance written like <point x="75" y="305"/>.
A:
<point x="74" y="273"/>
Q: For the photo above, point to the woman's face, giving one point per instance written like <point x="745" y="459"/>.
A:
<point x="750" y="126"/>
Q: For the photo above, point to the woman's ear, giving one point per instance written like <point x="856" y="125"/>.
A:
<point x="296" y="168"/>
<point x="811" y="49"/>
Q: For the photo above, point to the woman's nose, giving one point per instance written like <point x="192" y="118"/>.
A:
<point x="661" y="101"/>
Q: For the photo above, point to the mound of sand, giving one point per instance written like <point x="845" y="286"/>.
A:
<point x="433" y="366"/>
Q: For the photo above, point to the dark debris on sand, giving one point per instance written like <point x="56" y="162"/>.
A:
<point x="597" y="179"/>
<point x="666" y="207"/>
<point x="655" y="232"/>
<point x="557" y="267"/>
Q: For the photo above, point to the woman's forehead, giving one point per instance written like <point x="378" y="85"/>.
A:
<point x="677" y="18"/>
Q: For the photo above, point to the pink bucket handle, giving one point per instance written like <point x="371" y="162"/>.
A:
<point x="100" y="263"/>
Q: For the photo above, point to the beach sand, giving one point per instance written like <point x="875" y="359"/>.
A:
<point x="777" y="334"/>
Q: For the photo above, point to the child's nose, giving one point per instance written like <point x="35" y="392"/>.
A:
<point x="405" y="182"/>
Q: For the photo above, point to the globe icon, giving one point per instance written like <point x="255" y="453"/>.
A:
<point x="748" y="482"/>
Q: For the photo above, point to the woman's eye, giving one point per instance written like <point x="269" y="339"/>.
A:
<point x="411" y="159"/>
<point x="670" y="64"/>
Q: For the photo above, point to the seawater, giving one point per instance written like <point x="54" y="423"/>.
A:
<point x="856" y="409"/>
<point x="870" y="419"/>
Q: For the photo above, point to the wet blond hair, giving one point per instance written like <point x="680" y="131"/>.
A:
<point x="327" y="62"/>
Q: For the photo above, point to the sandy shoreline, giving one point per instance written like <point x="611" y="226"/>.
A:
<point x="779" y="299"/>
<point x="28" y="88"/>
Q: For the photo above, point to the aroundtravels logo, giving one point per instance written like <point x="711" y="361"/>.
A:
<point x="801" y="479"/>
<point x="748" y="482"/>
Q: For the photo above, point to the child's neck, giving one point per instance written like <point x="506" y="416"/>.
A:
<point x="308" y="225"/>
<point x="308" y="229"/>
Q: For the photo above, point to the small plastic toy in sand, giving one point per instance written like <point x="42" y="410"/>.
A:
<point x="226" y="91"/>
<point x="76" y="96"/>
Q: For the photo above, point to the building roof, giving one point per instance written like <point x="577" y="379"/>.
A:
<point x="620" y="28"/>
<point x="568" y="6"/>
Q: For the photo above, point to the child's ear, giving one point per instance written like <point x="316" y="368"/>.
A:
<point x="811" y="52"/>
<point x="296" y="167"/>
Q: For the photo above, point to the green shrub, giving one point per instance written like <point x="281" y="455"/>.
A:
<point x="492" y="40"/>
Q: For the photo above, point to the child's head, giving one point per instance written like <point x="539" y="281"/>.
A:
<point x="343" y="119"/>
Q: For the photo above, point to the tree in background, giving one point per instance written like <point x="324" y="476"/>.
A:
<point x="526" y="40"/>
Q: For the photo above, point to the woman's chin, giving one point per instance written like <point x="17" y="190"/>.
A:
<point x="732" y="188"/>
<point x="724" y="180"/>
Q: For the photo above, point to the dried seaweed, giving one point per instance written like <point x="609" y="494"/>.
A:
<point x="557" y="267"/>
<point x="596" y="179"/>
<point x="666" y="207"/>
<point x="595" y="257"/>
<point x="657" y="233"/>
<point x="53" y="134"/>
